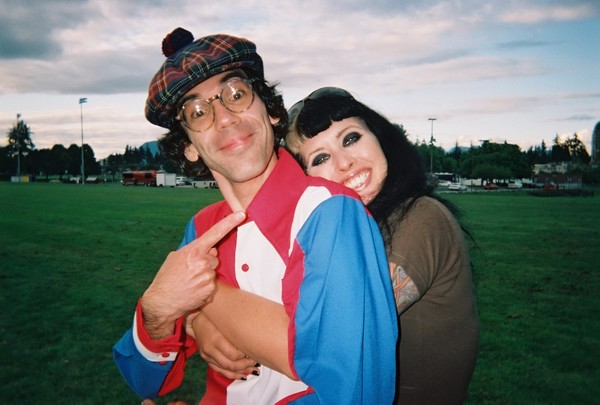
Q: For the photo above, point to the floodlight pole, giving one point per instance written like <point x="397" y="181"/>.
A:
<point x="81" y="102"/>
<point x="431" y="141"/>
<point x="18" y="150"/>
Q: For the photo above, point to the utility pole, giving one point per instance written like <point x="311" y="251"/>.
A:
<point x="18" y="149"/>
<point x="431" y="141"/>
<point x="81" y="102"/>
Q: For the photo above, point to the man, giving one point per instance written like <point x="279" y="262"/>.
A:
<point x="302" y="242"/>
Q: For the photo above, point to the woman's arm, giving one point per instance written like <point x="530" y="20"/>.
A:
<point x="406" y="292"/>
<point x="255" y="326"/>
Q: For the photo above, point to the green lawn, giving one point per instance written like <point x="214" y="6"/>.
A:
<point x="76" y="258"/>
<point x="538" y="282"/>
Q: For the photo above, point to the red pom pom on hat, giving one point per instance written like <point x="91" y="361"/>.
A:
<point x="176" y="40"/>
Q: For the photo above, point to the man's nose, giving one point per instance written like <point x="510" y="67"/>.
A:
<point x="224" y="117"/>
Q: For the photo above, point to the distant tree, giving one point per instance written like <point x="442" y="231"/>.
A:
<point x="490" y="172"/>
<point x="134" y="157"/>
<point x="74" y="152"/>
<point x="531" y="155"/>
<point x="468" y="161"/>
<point x="466" y="166"/>
<point x="115" y="164"/>
<point x="538" y="154"/>
<point x="40" y="162"/>
<point x="6" y="166"/>
<point x="456" y="153"/>
<point x="61" y="160"/>
<point x="559" y="152"/>
<point x="507" y="156"/>
<point x="92" y="167"/>
<point x="138" y="159"/>
<point x="450" y="165"/>
<point x="149" y="157"/>
<point x="577" y="150"/>
<point x="432" y="157"/>
<point x="423" y="150"/>
<point x="543" y="153"/>
<point x="19" y="142"/>
<point x="596" y="144"/>
<point x="73" y="164"/>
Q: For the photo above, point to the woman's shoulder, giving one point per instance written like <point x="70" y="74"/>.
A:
<point x="430" y="207"/>
<point x="427" y="216"/>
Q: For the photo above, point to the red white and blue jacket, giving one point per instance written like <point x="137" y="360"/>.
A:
<point x="310" y="245"/>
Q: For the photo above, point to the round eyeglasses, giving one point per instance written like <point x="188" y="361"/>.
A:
<point x="198" y="115"/>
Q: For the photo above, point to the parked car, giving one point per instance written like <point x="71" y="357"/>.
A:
<point x="490" y="186"/>
<point x="93" y="180"/>
<point x="514" y="183"/>
<point x="457" y="187"/>
<point x="550" y="186"/>
<point x="182" y="181"/>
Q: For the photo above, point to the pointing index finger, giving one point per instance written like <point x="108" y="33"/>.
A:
<point x="219" y="230"/>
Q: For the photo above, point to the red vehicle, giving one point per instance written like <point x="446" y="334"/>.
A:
<point x="146" y="178"/>
<point x="490" y="186"/>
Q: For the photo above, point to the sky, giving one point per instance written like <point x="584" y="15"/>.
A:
<point x="516" y="71"/>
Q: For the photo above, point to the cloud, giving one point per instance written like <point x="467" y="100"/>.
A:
<point x="26" y="35"/>
<point x="582" y="117"/>
<point x="520" y="44"/>
<point x="409" y="59"/>
<point x="520" y="13"/>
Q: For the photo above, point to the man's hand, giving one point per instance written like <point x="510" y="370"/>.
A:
<point x="220" y="355"/>
<point x="185" y="281"/>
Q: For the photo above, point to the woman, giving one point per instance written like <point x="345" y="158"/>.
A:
<point x="334" y="136"/>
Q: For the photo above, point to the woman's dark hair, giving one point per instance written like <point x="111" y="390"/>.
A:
<point x="173" y="143"/>
<point x="406" y="178"/>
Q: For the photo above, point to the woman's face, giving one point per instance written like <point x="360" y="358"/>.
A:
<point x="347" y="153"/>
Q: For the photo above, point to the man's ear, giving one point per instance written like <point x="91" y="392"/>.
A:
<point x="191" y="153"/>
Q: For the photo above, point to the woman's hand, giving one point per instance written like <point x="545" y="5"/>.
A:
<point x="220" y="355"/>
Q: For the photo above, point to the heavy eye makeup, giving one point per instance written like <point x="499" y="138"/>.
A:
<point x="319" y="159"/>
<point x="349" y="139"/>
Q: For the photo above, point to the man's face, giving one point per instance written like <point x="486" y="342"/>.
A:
<point x="238" y="147"/>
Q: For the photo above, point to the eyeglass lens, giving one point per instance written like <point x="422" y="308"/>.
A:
<point x="236" y="96"/>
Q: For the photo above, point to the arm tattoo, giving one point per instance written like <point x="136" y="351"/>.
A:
<point x="405" y="290"/>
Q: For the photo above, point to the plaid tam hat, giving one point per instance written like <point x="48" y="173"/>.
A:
<point x="190" y="62"/>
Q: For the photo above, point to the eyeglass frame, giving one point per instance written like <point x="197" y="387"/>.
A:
<point x="181" y="117"/>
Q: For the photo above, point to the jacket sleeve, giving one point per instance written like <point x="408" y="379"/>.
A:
<point x="344" y="326"/>
<point x="154" y="368"/>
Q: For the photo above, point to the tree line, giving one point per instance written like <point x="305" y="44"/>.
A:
<point x="492" y="160"/>
<point x="489" y="160"/>
<point x="20" y="156"/>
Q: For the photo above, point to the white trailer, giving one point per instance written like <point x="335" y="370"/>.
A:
<point x="165" y="179"/>
<point x="204" y="184"/>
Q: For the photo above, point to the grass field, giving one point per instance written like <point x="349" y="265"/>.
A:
<point x="75" y="259"/>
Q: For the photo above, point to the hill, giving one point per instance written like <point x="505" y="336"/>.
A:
<point x="152" y="146"/>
